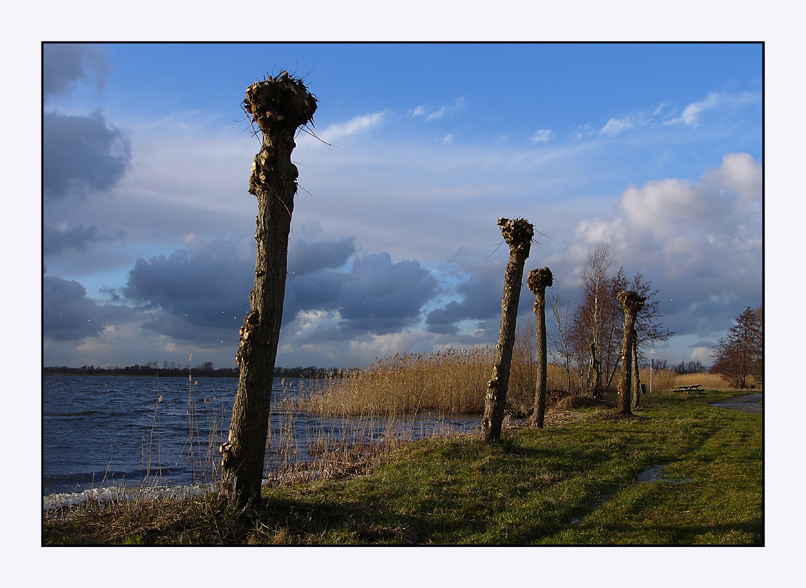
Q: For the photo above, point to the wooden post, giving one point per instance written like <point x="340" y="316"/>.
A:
<point x="279" y="106"/>
<point x="632" y="303"/>
<point x="538" y="280"/>
<point x="518" y="235"/>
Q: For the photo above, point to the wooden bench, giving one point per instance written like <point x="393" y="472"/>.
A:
<point x="693" y="387"/>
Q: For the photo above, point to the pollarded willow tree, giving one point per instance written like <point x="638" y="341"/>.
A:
<point x="632" y="304"/>
<point x="279" y="106"/>
<point x="518" y="235"/>
<point x="538" y="280"/>
<point x="649" y="327"/>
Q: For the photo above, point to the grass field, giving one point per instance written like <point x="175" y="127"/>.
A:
<point x="576" y="482"/>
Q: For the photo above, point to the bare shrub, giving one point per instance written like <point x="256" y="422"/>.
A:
<point x="571" y="402"/>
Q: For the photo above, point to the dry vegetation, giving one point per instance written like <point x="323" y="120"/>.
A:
<point x="449" y="382"/>
<point x="455" y="382"/>
<point x="452" y="381"/>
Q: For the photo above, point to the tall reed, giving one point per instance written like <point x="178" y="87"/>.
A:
<point x="450" y="381"/>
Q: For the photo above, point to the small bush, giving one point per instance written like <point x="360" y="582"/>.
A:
<point x="571" y="402"/>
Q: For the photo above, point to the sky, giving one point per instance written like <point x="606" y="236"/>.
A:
<point x="414" y="153"/>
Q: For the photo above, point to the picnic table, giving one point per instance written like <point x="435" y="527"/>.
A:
<point x="689" y="388"/>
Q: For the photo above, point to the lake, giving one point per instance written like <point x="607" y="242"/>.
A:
<point x="116" y="430"/>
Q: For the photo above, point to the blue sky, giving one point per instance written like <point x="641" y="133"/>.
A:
<point x="148" y="253"/>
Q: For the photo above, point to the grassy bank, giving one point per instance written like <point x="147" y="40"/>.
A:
<point x="573" y="483"/>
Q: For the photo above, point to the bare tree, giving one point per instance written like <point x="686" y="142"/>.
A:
<point x="593" y="329"/>
<point x="740" y="353"/>
<point x="597" y="333"/>
<point x="518" y="235"/>
<point x="538" y="280"/>
<point x="278" y="106"/>
<point x="561" y="346"/>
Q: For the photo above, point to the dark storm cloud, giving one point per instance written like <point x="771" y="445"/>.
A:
<point x="70" y="316"/>
<point x="209" y="288"/>
<point x="82" y="154"/>
<point x="66" y="64"/>
<point x="206" y="288"/>
<point x="78" y="238"/>
<point x="380" y="297"/>
<point x="703" y="316"/>
<point x="319" y="290"/>
<point x="305" y="257"/>
<point x="481" y="300"/>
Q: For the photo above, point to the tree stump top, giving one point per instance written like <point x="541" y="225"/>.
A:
<point x="539" y="279"/>
<point x="518" y="234"/>
<point x="631" y="301"/>
<point x="280" y="103"/>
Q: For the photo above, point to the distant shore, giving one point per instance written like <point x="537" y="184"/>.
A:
<point x="173" y="371"/>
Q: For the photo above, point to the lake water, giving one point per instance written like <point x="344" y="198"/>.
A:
<point x="103" y="431"/>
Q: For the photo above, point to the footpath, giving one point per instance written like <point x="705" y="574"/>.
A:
<point x="746" y="403"/>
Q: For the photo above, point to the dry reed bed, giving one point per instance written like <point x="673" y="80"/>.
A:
<point x="453" y="381"/>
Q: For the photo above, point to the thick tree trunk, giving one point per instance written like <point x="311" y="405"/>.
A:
<point x="632" y="303"/>
<point x="279" y="106"/>
<point x="595" y="381"/>
<point x="518" y="234"/>
<point x="538" y="280"/>
<point x="636" y="399"/>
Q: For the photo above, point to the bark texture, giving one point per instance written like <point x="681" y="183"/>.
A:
<point x="636" y="385"/>
<point x="632" y="303"/>
<point x="518" y="235"/>
<point x="278" y="106"/>
<point x="595" y="380"/>
<point x="538" y="280"/>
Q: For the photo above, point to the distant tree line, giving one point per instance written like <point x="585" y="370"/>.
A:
<point x="171" y="369"/>
<point x="689" y="367"/>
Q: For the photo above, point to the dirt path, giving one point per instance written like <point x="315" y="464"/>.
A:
<point x="746" y="403"/>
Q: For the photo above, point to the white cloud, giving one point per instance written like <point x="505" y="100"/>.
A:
<point x="741" y="173"/>
<point x="715" y="206"/>
<point x="438" y="114"/>
<point x="691" y="115"/>
<point x="441" y="112"/>
<point x="668" y="206"/>
<point x="354" y="125"/>
<point x="596" y="231"/>
<point x="541" y="136"/>
<point x="616" y="125"/>
<point x="448" y="139"/>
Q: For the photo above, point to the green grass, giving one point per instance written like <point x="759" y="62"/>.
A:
<point x="569" y="484"/>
